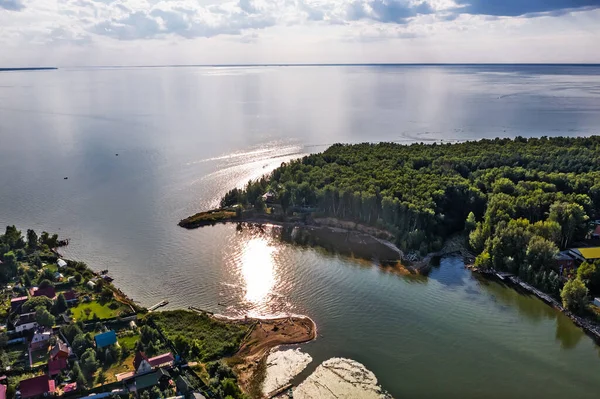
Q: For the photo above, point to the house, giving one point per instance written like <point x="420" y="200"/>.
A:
<point x="26" y="322"/>
<point x="585" y="254"/>
<point x="565" y="262"/>
<point x="56" y="366"/>
<point x="596" y="302"/>
<point x="17" y="303"/>
<point x="596" y="233"/>
<point x="91" y="285"/>
<point x="40" y="386"/>
<point x="105" y="339"/>
<point x="183" y="386"/>
<point x="58" y="276"/>
<point x="61" y="263"/>
<point x="2" y="391"/>
<point x="40" y="339"/>
<point x="164" y="360"/>
<point x="46" y="291"/>
<point x="268" y="197"/>
<point x="158" y="378"/>
<point x="59" y="351"/>
<point x="72" y="387"/>
<point x="70" y="297"/>
<point x="143" y="364"/>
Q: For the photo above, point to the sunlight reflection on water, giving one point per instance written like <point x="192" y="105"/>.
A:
<point x="258" y="269"/>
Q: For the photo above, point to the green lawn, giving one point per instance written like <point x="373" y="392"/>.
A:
<point x="129" y="342"/>
<point x="86" y="311"/>
<point x="16" y="355"/>
<point x="53" y="267"/>
<point x="39" y="357"/>
<point x="214" y="338"/>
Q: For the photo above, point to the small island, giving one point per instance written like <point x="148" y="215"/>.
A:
<point x="68" y="331"/>
<point x="525" y="210"/>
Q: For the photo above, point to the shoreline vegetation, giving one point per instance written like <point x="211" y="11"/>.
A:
<point x="221" y="353"/>
<point x="506" y="205"/>
<point x="28" y="69"/>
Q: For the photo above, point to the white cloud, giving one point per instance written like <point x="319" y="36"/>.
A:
<point x="98" y="31"/>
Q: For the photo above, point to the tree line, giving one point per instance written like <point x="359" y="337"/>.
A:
<point x="423" y="193"/>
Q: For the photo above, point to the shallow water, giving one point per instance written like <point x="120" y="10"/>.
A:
<point x="282" y="367"/>
<point x="186" y="135"/>
<point x="342" y="379"/>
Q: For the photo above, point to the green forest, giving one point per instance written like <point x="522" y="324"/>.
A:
<point x="520" y="199"/>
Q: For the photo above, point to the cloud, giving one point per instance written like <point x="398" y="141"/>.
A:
<point x="171" y="18"/>
<point x="422" y="28"/>
<point x="532" y="8"/>
<point x="137" y="25"/>
<point x="398" y="11"/>
<point x="12" y="5"/>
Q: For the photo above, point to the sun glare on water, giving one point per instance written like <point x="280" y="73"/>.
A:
<point x="258" y="269"/>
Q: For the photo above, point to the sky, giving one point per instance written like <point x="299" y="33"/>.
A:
<point x="168" y="32"/>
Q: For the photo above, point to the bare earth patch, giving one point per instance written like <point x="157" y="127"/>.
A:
<point x="250" y="360"/>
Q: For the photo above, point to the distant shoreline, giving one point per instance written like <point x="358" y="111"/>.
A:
<point x="28" y="69"/>
<point x="337" y="65"/>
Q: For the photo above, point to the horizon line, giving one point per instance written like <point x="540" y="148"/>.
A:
<point x="246" y="65"/>
<point x="335" y="64"/>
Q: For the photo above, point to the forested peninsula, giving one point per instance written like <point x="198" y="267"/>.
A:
<point x="519" y="201"/>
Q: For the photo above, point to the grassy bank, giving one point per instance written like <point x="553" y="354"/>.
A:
<point x="208" y="218"/>
<point x="197" y="336"/>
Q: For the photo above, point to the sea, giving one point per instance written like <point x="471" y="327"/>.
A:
<point x="113" y="157"/>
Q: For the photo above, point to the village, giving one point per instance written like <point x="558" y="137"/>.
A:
<point x="588" y="251"/>
<point x="68" y="332"/>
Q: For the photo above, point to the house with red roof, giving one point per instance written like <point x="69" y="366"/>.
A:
<point x="56" y="366"/>
<point x="17" y="303"/>
<point x="72" y="387"/>
<point x="142" y="364"/>
<point x="36" y="387"/>
<point x="164" y="360"/>
<point x="596" y="233"/>
<point x="2" y="391"/>
<point x="49" y="292"/>
<point x="59" y="351"/>
<point x="70" y="297"/>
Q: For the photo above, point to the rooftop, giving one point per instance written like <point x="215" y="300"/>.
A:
<point x="56" y="366"/>
<point x="46" y="291"/>
<point x="590" y="253"/>
<point x="161" y="359"/>
<point x="60" y="347"/>
<point x="19" y="299"/>
<point x="149" y="380"/>
<point x="25" y="319"/>
<point x="70" y="295"/>
<point x="105" y="339"/>
<point x="139" y="357"/>
<point x="36" y="386"/>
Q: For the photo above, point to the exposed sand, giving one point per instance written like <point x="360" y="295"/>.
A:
<point x="250" y="361"/>
<point x="282" y="366"/>
<point x="338" y="378"/>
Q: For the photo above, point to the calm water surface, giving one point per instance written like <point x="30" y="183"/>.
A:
<point x="186" y="135"/>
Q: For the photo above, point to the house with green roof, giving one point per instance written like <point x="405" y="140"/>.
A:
<point x="160" y="378"/>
